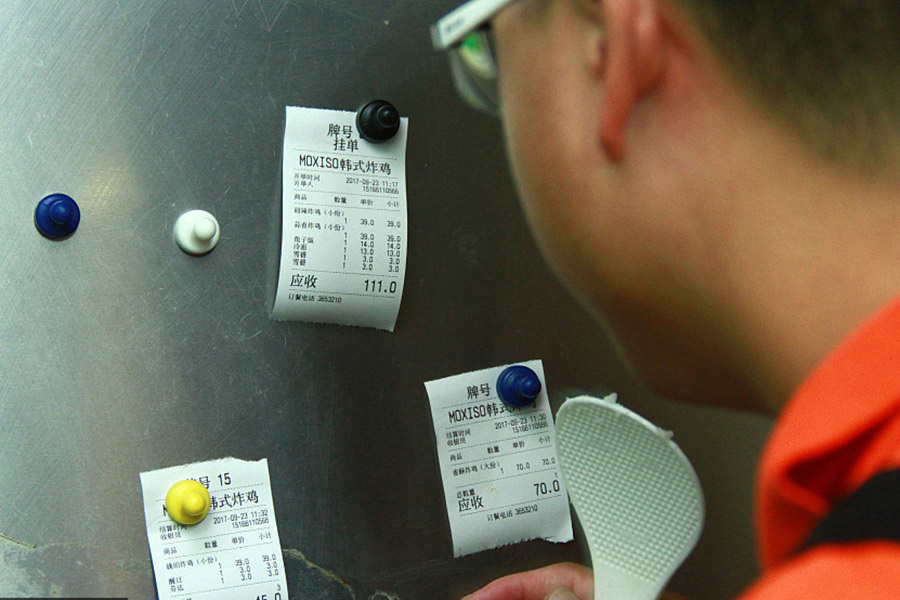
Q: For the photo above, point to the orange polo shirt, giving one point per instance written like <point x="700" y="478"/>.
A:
<point x="841" y="427"/>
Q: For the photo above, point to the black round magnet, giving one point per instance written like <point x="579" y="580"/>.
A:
<point x="378" y="121"/>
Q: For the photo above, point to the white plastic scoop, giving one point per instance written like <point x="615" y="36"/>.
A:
<point x="635" y="492"/>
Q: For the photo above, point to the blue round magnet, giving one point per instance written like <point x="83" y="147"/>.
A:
<point x="518" y="386"/>
<point x="57" y="216"/>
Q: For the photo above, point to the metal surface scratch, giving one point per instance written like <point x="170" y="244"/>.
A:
<point x="270" y="22"/>
<point x="321" y="579"/>
<point x="9" y="538"/>
<point x="238" y="11"/>
<point x="65" y="570"/>
<point x="140" y="55"/>
<point x="270" y="15"/>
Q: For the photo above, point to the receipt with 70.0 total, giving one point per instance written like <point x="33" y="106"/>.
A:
<point x="502" y="482"/>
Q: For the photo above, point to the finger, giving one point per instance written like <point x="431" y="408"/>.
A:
<point x="539" y="583"/>
<point x="562" y="594"/>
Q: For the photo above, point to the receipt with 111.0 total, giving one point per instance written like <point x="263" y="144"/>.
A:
<point x="343" y="227"/>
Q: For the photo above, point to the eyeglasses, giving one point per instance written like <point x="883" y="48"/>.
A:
<point x="466" y="35"/>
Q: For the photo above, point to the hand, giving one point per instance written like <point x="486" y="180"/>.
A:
<point x="539" y="584"/>
<point x="563" y="581"/>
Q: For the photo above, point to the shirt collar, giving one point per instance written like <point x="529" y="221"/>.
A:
<point x="838" y="415"/>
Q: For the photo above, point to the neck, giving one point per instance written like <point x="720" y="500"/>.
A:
<point x="811" y="254"/>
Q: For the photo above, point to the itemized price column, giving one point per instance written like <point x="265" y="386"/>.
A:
<point x="343" y="251"/>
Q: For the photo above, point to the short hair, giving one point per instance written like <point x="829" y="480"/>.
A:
<point x="828" y="68"/>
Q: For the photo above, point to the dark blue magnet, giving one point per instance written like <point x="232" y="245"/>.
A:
<point x="57" y="216"/>
<point x="518" y="386"/>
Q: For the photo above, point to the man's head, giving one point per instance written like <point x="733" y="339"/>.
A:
<point x="684" y="163"/>
<point x="827" y="68"/>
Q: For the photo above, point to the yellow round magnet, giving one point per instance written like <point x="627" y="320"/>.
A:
<point x="187" y="502"/>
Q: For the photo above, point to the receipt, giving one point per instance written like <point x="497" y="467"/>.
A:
<point x="343" y="226"/>
<point x="232" y="554"/>
<point x="501" y="477"/>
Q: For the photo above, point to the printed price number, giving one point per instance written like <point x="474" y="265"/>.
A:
<point x="394" y="251"/>
<point x="275" y="596"/>
<point x="271" y="563"/>
<point x="379" y="286"/>
<point x="543" y="488"/>
<point x="394" y="246"/>
<point x="244" y="570"/>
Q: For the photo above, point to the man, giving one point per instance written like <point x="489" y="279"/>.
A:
<point x="719" y="179"/>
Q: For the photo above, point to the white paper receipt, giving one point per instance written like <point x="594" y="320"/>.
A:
<point x="232" y="554"/>
<point x="502" y="482"/>
<point x="343" y="226"/>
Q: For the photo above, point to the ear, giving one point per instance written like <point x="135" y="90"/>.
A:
<point x="632" y="59"/>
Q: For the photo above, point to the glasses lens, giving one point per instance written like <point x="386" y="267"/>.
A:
<point x="475" y="71"/>
<point x="475" y="50"/>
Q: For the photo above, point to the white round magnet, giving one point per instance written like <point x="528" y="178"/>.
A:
<point x="196" y="232"/>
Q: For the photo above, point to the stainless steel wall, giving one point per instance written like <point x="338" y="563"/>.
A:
<point x="120" y="354"/>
